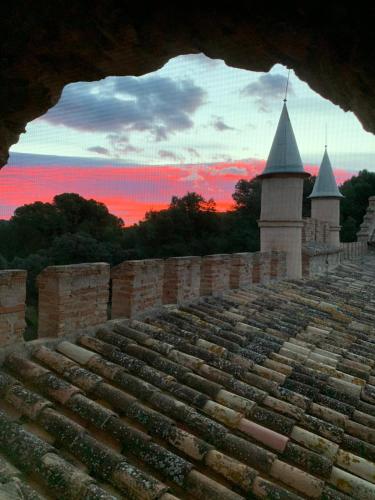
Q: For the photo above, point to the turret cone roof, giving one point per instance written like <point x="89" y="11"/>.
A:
<point x="325" y="185"/>
<point x="284" y="157"/>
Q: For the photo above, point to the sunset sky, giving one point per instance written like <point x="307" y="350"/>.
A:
<point x="195" y="124"/>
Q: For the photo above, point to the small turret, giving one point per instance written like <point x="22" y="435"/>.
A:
<point x="325" y="200"/>
<point x="282" y="190"/>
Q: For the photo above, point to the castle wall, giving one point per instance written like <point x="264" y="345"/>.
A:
<point x="319" y="262"/>
<point x="315" y="230"/>
<point x="77" y="296"/>
<point x="215" y="274"/>
<point x="182" y="278"/>
<point x="137" y="285"/>
<point x="367" y="230"/>
<point x="353" y="249"/>
<point x="12" y="306"/>
<point x="72" y="297"/>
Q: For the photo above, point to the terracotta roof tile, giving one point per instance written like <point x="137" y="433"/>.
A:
<point x="265" y="392"/>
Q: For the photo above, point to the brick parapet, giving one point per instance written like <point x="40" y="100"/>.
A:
<point x="137" y="285"/>
<point x="277" y="265"/>
<point x="72" y="297"/>
<point x="241" y="270"/>
<point x="12" y="306"/>
<point x="265" y="266"/>
<point x="182" y="276"/>
<point x="215" y="274"/>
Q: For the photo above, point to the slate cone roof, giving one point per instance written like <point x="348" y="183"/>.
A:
<point x="267" y="392"/>
<point x="284" y="157"/>
<point x="325" y="185"/>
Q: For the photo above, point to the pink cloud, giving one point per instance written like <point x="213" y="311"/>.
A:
<point x="129" y="191"/>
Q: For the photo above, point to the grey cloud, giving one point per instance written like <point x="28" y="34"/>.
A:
<point x="222" y="157"/>
<point x="193" y="152"/>
<point x="220" y="125"/>
<point x="99" y="149"/>
<point x="169" y="155"/>
<point x="154" y="104"/>
<point x="115" y="139"/>
<point x="120" y="145"/>
<point x="267" y="89"/>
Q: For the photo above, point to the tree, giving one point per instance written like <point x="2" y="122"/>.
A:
<point x="32" y="227"/>
<point x="185" y="227"/>
<point x="192" y="203"/>
<point x="247" y="196"/>
<point x="3" y="262"/>
<point x="35" y="226"/>
<point x="77" y="248"/>
<point x="87" y="216"/>
<point x="356" y="191"/>
<point x="308" y="185"/>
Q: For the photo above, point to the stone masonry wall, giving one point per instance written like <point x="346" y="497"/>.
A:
<point x="182" y="277"/>
<point x="137" y="285"/>
<point x="72" y="297"/>
<point x="367" y="229"/>
<point x="215" y="274"/>
<point x="353" y="249"/>
<point x="277" y="265"/>
<point x="261" y="267"/>
<point x="319" y="259"/>
<point x="256" y="267"/>
<point x="241" y="270"/>
<point x="315" y="230"/>
<point x="12" y="306"/>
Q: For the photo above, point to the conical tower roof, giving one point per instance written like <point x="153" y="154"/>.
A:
<point x="325" y="185"/>
<point x="284" y="157"/>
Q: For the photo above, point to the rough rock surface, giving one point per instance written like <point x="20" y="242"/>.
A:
<point x="45" y="46"/>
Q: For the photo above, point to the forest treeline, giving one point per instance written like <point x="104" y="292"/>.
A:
<point x="73" y="229"/>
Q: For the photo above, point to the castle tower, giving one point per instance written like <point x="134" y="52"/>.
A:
<point x="325" y="200"/>
<point x="281" y="204"/>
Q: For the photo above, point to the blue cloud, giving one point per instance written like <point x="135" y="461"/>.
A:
<point x="267" y="89"/>
<point x="155" y="104"/>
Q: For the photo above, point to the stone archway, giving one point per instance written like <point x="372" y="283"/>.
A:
<point x="48" y="45"/>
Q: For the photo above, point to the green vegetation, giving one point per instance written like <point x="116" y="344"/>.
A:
<point x="356" y="191"/>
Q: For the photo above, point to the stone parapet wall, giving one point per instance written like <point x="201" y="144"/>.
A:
<point x="241" y="269"/>
<point x="256" y="267"/>
<point x="353" y="249"/>
<point x="315" y="230"/>
<point x="182" y="277"/>
<point x="277" y="265"/>
<point x="215" y="274"/>
<point x="12" y="306"/>
<point x="367" y="229"/>
<point x="137" y="285"/>
<point x="77" y="296"/>
<point x="261" y="271"/>
<point x="72" y="297"/>
<point x="321" y="263"/>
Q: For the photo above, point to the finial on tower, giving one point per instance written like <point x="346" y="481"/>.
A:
<point x="325" y="146"/>
<point x="286" y="88"/>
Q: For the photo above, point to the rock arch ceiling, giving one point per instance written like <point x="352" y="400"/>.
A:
<point x="52" y="44"/>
